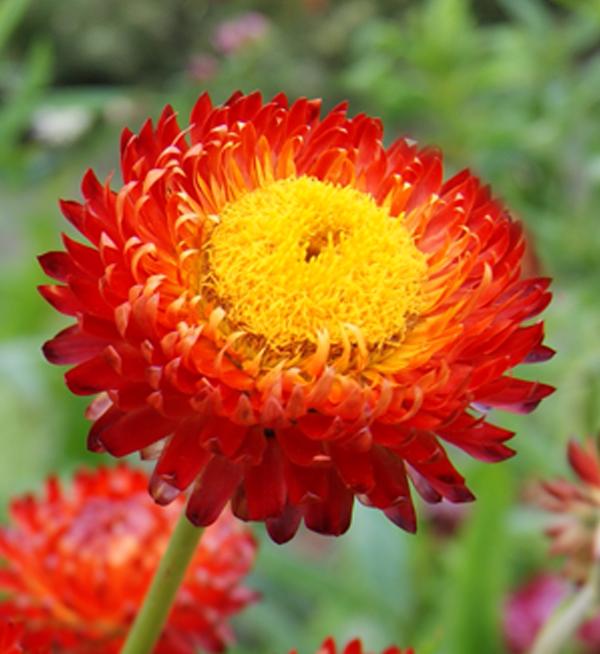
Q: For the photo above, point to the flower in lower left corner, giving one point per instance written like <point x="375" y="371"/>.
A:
<point x="77" y="564"/>
<point x="10" y="638"/>
<point x="355" y="646"/>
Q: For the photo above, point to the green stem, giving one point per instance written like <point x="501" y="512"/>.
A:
<point x="558" y="631"/>
<point x="153" y="615"/>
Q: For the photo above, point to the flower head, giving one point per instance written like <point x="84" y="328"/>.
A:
<point x="575" y="533"/>
<point x="288" y="314"/>
<point x="76" y="567"/>
<point x="353" y="647"/>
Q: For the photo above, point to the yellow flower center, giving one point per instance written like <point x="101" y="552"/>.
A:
<point x="300" y="256"/>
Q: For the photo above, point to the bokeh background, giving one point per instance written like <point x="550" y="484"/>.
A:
<point x="508" y="88"/>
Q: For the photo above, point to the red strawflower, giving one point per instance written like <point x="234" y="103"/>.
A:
<point x="77" y="566"/>
<point x="290" y="315"/>
<point x="353" y="647"/>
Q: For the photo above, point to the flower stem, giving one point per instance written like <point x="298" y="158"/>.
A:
<point x="558" y="631"/>
<point x="153" y="615"/>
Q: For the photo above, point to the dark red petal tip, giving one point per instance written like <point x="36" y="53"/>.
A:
<point x="284" y="527"/>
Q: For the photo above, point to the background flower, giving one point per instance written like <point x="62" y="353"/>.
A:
<point x="77" y="565"/>
<point x="530" y="606"/>
<point x="239" y="32"/>
<point x="573" y="532"/>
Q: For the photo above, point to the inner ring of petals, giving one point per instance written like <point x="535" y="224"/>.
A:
<point x="301" y="256"/>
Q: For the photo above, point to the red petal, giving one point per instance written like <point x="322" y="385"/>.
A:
<point x="334" y="514"/>
<point x="423" y="487"/>
<point x="391" y="484"/>
<point x="539" y="354"/>
<point x="315" y="425"/>
<point x="79" y="217"/>
<point x="229" y="435"/>
<point x="354" y="467"/>
<point x="265" y="485"/>
<point x="72" y="346"/>
<point x="183" y="457"/>
<point x="511" y="394"/>
<point x="424" y="453"/>
<point x="200" y="113"/>
<point x="403" y="515"/>
<point x="297" y="447"/>
<point x="328" y="647"/>
<point x="487" y="452"/>
<point x="134" y="431"/>
<point x="61" y="298"/>
<point x="354" y="647"/>
<point x="214" y="488"/>
<point x="86" y="258"/>
<point x="88" y="293"/>
<point x="283" y="527"/>
<point x="106" y="420"/>
<point x="480" y="439"/>
<point x="161" y="491"/>
<point x="585" y="462"/>
<point x="57" y="265"/>
<point x="305" y="483"/>
<point x="92" y="376"/>
<point x="253" y="447"/>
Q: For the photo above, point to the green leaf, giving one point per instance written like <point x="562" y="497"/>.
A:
<point x="16" y="113"/>
<point x="477" y="574"/>
<point x="11" y="13"/>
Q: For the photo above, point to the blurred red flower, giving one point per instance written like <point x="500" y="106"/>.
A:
<point x="10" y="637"/>
<point x="290" y="315"/>
<point x="576" y="529"/>
<point x="11" y="640"/>
<point x="353" y="647"/>
<point x="76" y="567"/>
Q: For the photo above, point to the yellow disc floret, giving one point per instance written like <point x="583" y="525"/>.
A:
<point x="301" y="256"/>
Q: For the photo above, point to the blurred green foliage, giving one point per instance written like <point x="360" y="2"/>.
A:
<point x="510" y="88"/>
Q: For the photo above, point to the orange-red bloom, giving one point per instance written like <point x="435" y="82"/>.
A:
<point x="353" y="647"/>
<point x="290" y="315"/>
<point x="76" y="567"/>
